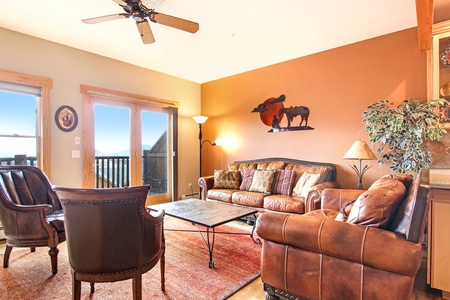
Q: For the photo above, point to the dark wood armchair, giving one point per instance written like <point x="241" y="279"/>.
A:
<point x="30" y="211"/>
<point x="111" y="236"/>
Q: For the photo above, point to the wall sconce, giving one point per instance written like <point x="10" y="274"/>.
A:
<point x="200" y="120"/>
<point x="360" y="151"/>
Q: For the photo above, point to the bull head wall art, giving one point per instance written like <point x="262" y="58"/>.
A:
<point x="272" y="112"/>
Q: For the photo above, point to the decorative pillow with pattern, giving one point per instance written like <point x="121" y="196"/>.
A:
<point x="305" y="182"/>
<point x="247" y="179"/>
<point x="262" y="181"/>
<point x="283" y="182"/>
<point x="227" y="179"/>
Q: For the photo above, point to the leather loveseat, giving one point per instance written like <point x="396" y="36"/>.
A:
<point x="270" y="184"/>
<point x="374" y="253"/>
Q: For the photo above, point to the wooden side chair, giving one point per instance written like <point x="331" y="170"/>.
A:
<point x="30" y="211"/>
<point x="111" y="236"/>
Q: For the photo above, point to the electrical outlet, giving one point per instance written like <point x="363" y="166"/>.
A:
<point x="190" y="185"/>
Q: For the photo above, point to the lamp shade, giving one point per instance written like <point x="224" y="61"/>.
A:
<point x="218" y="142"/>
<point x="200" y="119"/>
<point x="360" y="150"/>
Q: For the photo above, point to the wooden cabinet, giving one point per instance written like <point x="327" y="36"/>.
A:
<point x="439" y="71"/>
<point x="438" y="231"/>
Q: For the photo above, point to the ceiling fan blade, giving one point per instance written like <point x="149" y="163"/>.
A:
<point x="120" y="2"/>
<point x="174" y="22"/>
<point x="146" y="32"/>
<point x="105" y="18"/>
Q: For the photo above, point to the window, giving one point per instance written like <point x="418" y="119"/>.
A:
<point x="24" y="120"/>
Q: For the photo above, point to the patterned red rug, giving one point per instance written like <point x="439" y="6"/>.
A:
<point x="236" y="259"/>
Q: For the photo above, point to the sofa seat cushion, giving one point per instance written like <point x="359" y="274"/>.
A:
<point x="220" y="194"/>
<point x="284" y="203"/>
<point x="252" y="199"/>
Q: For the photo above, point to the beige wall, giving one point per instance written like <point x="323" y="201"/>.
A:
<point x="337" y="85"/>
<point x="69" y="67"/>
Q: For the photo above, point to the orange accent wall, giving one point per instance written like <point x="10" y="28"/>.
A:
<point x="336" y="85"/>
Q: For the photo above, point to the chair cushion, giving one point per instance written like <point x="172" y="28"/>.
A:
<point x="56" y="219"/>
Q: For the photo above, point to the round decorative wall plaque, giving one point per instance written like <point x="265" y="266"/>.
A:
<point x="66" y="118"/>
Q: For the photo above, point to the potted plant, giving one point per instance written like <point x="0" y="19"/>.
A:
<point x="400" y="133"/>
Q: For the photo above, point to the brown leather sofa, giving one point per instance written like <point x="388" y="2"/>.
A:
<point x="30" y="211"/>
<point x="239" y="187"/>
<point x="374" y="254"/>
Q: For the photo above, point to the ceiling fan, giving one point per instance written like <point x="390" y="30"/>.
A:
<point x="139" y="12"/>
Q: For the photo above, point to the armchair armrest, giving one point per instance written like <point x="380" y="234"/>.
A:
<point x="354" y="243"/>
<point x="34" y="216"/>
<point x="205" y="184"/>
<point x="335" y="198"/>
<point x="312" y="201"/>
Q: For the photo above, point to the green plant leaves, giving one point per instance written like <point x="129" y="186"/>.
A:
<point x="400" y="133"/>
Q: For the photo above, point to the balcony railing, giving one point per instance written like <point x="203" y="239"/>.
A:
<point x="19" y="159"/>
<point x="112" y="171"/>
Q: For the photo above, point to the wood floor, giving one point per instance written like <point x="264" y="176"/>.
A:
<point x="254" y="290"/>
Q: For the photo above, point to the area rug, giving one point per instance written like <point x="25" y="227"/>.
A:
<point x="236" y="259"/>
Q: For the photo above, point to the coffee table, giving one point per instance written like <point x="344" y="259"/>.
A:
<point x="208" y="214"/>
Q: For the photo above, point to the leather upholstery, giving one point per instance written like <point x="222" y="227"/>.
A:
<point x="111" y="236"/>
<point x="30" y="211"/>
<point x="275" y="202"/>
<point x="313" y="256"/>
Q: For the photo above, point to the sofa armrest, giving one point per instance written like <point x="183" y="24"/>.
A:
<point x="206" y="183"/>
<point x="335" y="198"/>
<point x="312" y="201"/>
<point x="369" y="246"/>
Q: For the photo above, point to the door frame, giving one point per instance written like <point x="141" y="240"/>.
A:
<point x="88" y="153"/>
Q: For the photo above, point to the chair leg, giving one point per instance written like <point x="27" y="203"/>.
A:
<point x="92" y="287"/>
<point x="53" y="252"/>
<point x="162" y="263"/>
<point x="32" y="249"/>
<point x="8" y="250"/>
<point x="137" y="287"/>
<point x="76" y="288"/>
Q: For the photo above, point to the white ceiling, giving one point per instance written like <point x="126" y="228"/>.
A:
<point x="234" y="36"/>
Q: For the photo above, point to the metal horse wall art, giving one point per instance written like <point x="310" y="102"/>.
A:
<point x="272" y="112"/>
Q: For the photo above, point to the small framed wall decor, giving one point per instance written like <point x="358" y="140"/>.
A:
<point x="66" y="118"/>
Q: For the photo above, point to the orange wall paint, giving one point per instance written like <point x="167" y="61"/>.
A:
<point x="336" y="85"/>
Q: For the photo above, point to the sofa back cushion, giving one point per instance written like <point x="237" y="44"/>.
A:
<point x="324" y="171"/>
<point x="377" y="206"/>
<point x="271" y="165"/>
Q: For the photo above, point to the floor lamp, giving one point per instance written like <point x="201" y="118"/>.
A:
<point x="360" y="151"/>
<point x="200" y="120"/>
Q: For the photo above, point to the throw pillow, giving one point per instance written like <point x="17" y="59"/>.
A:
<point x="377" y="206"/>
<point x="345" y="211"/>
<point x="247" y="179"/>
<point x="305" y="182"/>
<point x="262" y="181"/>
<point x="227" y="179"/>
<point x="284" y="180"/>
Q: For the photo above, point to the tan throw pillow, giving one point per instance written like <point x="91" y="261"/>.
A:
<point x="262" y="181"/>
<point x="305" y="182"/>
<point x="227" y="179"/>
